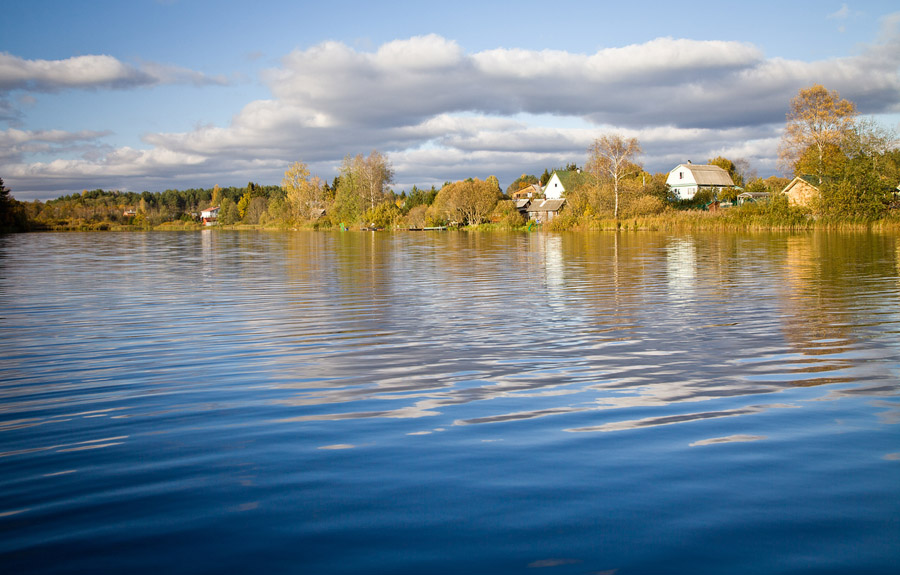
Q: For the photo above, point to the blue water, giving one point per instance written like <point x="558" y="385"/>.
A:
<point x="449" y="403"/>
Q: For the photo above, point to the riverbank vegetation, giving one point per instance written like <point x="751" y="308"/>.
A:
<point x="854" y="163"/>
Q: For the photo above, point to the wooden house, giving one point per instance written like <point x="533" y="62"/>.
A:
<point x="542" y="211"/>
<point x="532" y="191"/>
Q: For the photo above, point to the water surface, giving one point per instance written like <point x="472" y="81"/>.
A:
<point x="449" y="403"/>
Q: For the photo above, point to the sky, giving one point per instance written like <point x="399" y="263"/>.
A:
<point x="174" y="94"/>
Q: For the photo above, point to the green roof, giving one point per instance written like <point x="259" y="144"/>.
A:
<point x="571" y="179"/>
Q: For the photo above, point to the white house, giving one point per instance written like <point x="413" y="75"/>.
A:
<point x="209" y="216"/>
<point x="685" y="180"/>
<point x="554" y="189"/>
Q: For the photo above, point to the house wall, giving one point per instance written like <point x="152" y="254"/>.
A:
<point x="554" y="188"/>
<point x="542" y="217"/>
<point x="801" y="194"/>
<point x="682" y="182"/>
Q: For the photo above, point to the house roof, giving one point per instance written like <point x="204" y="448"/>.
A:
<point x="546" y="205"/>
<point x="531" y="189"/>
<point x="706" y="175"/>
<point x="570" y="179"/>
<point x="797" y="180"/>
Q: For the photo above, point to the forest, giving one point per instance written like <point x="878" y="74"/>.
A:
<point x="854" y="162"/>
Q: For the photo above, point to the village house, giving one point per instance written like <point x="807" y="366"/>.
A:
<point x="801" y="192"/>
<point x="541" y="211"/>
<point x="752" y="197"/>
<point x="532" y="191"/>
<point x="687" y="180"/>
<point x="209" y="216"/>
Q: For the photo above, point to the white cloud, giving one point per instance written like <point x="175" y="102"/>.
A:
<point x="92" y="71"/>
<point x="441" y="113"/>
<point x="841" y="14"/>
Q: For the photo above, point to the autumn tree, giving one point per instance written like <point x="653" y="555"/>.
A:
<point x="216" y="196"/>
<point x="467" y="201"/>
<point x="610" y="158"/>
<point x="243" y="204"/>
<point x="521" y="183"/>
<point x="304" y="196"/>
<point x="819" y="124"/>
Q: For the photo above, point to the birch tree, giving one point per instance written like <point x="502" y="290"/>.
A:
<point x="610" y="157"/>
<point x="362" y="184"/>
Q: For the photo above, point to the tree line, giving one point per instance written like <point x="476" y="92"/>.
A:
<point x="855" y="163"/>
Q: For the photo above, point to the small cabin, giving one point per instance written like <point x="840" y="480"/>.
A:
<point x="801" y="191"/>
<point x="542" y="211"/>
<point x="752" y="197"/>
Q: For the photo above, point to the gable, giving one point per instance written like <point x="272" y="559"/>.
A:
<point x="800" y="192"/>
<point x="554" y="188"/>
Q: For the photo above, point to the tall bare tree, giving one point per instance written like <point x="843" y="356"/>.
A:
<point x="376" y="173"/>
<point x="610" y="157"/>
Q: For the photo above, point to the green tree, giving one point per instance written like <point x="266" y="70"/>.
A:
<point x="545" y="177"/>
<point x="362" y="185"/>
<point x="228" y="213"/>
<point x="521" y="183"/>
<point x="13" y="216"/>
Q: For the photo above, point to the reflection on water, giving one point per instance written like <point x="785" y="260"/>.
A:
<point x="359" y="390"/>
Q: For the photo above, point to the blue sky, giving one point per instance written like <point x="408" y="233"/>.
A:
<point x="150" y="95"/>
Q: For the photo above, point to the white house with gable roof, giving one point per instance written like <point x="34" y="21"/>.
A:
<point x="686" y="180"/>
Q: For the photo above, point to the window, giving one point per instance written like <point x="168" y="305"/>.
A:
<point x="680" y="175"/>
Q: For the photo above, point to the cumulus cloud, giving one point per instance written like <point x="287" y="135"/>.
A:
<point x="441" y="113"/>
<point x="92" y="71"/>
<point x="16" y="145"/>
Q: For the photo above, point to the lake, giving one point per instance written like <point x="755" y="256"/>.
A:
<point x="449" y="402"/>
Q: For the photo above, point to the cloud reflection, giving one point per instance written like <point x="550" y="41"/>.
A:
<point x="527" y="326"/>
<point x="728" y="439"/>
<point x="680" y="418"/>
